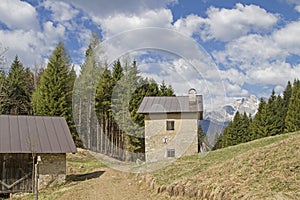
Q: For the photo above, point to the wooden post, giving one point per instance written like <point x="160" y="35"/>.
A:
<point x="35" y="182"/>
<point x="37" y="159"/>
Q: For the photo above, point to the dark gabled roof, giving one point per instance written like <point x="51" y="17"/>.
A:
<point x="35" y="134"/>
<point x="179" y="104"/>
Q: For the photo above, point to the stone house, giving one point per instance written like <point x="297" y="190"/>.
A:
<point x="26" y="140"/>
<point x="171" y="125"/>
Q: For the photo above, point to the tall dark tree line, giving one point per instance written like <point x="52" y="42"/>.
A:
<point x="280" y="114"/>
<point x="105" y="103"/>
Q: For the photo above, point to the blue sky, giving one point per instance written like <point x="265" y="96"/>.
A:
<point x="253" y="45"/>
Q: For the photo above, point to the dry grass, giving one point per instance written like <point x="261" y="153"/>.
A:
<point x="80" y="166"/>
<point x="268" y="168"/>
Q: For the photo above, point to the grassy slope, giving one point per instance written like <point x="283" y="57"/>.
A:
<point x="77" y="166"/>
<point x="266" y="168"/>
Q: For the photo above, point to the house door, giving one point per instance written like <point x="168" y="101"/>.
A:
<point x="15" y="173"/>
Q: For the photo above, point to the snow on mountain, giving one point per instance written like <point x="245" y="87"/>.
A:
<point x="215" y="121"/>
<point x="227" y="112"/>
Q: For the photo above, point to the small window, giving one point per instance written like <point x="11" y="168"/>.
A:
<point x="170" y="125"/>
<point x="170" y="153"/>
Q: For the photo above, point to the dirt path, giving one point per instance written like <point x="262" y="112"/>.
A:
<point x="108" y="184"/>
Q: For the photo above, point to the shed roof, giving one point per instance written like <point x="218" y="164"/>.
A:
<point x="178" y="104"/>
<point x="35" y="134"/>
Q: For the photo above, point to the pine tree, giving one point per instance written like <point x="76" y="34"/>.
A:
<point x="3" y="93"/>
<point x="271" y="120"/>
<point x="165" y="90"/>
<point x="258" y="126"/>
<point x="52" y="95"/>
<point x="120" y="104"/>
<point x="201" y="139"/>
<point x="244" y="128"/>
<point x="292" y="120"/>
<point x="84" y="93"/>
<point x="287" y="93"/>
<point x="281" y="114"/>
<point x="117" y="73"/>
<point x="19" y="87"/>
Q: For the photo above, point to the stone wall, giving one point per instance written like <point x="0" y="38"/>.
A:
<point x="52" y="169"/>
<point x="183" y="139"/>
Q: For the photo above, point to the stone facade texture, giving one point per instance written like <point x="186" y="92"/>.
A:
<point x="183" y="139"/>
<point x="52" y="169"/>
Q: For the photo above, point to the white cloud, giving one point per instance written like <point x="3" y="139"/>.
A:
<point x="235" y="90"/>
<point x="53" y="32"/>
<point x="234" y="76"/>
<point x="250" y="51"/>
<point x="31" y="46"/>
<point x="288" y="37"/>
<point x="277" y="73"/>
<point x="25" y="44"/>
<point x="122" y="22"/>
<point x="227" y="24"/>
<point x="190" y="25"/>
<point x="298" y="8"/>
<point x="18" y="14"/>
<point x="61" y="11"/>
<point x="261" y="59"/>
<point x="103" y="8"/>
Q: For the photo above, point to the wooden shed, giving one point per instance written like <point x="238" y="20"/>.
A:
<point x="22" y="140"/>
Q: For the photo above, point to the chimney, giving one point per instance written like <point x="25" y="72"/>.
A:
<point x="192" y="100"/>
<point x="192" y="96"/>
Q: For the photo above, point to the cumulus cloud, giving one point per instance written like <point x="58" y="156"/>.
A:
<point x="61" y="11"/>
<point x="250" y="51"/>
<point x="227" y="24"/>
<point x="190" y="25"/>
<point x="30" y="45"/>
<point x="27" y="45"/>
<point x="103" y="8"/>
<point x="17" y="14"/>
<point x="288" y="37"/>
<point x="235" y="90"/>
<point x="261" y="60"/>
<point x="122" y="22"/>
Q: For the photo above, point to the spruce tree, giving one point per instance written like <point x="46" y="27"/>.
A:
<point x="84" y="92"/>
<point x="52" y="95"/>
<point x="19" y="87"/>
<point x="3" y="93"/>
<point x="258" y="126"/>
<point x="271" y="119"/>
<point x="165" y="90"/>
<point x="292" y="120"/>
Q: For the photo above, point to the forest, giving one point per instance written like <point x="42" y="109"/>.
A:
<point x="99" y="104"/>
<point x="278" y="115"/>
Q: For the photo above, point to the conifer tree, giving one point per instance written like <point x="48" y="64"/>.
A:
<point x="165" y="90"/>
<point x="292" y="120"/>
<point x="52" y="95"/>
<point x="258" y="126"/>
<point x="3" y="93"/>
<point x="117" y="73"/>
<point x="287" y="93"/>
<point x="84" y="92"/>
<point x="271" y="119"/>
<point x="19" y="87"/>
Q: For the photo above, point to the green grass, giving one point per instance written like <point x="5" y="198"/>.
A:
<point x="79" y="164"/>
<point x="268" y="167"/>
